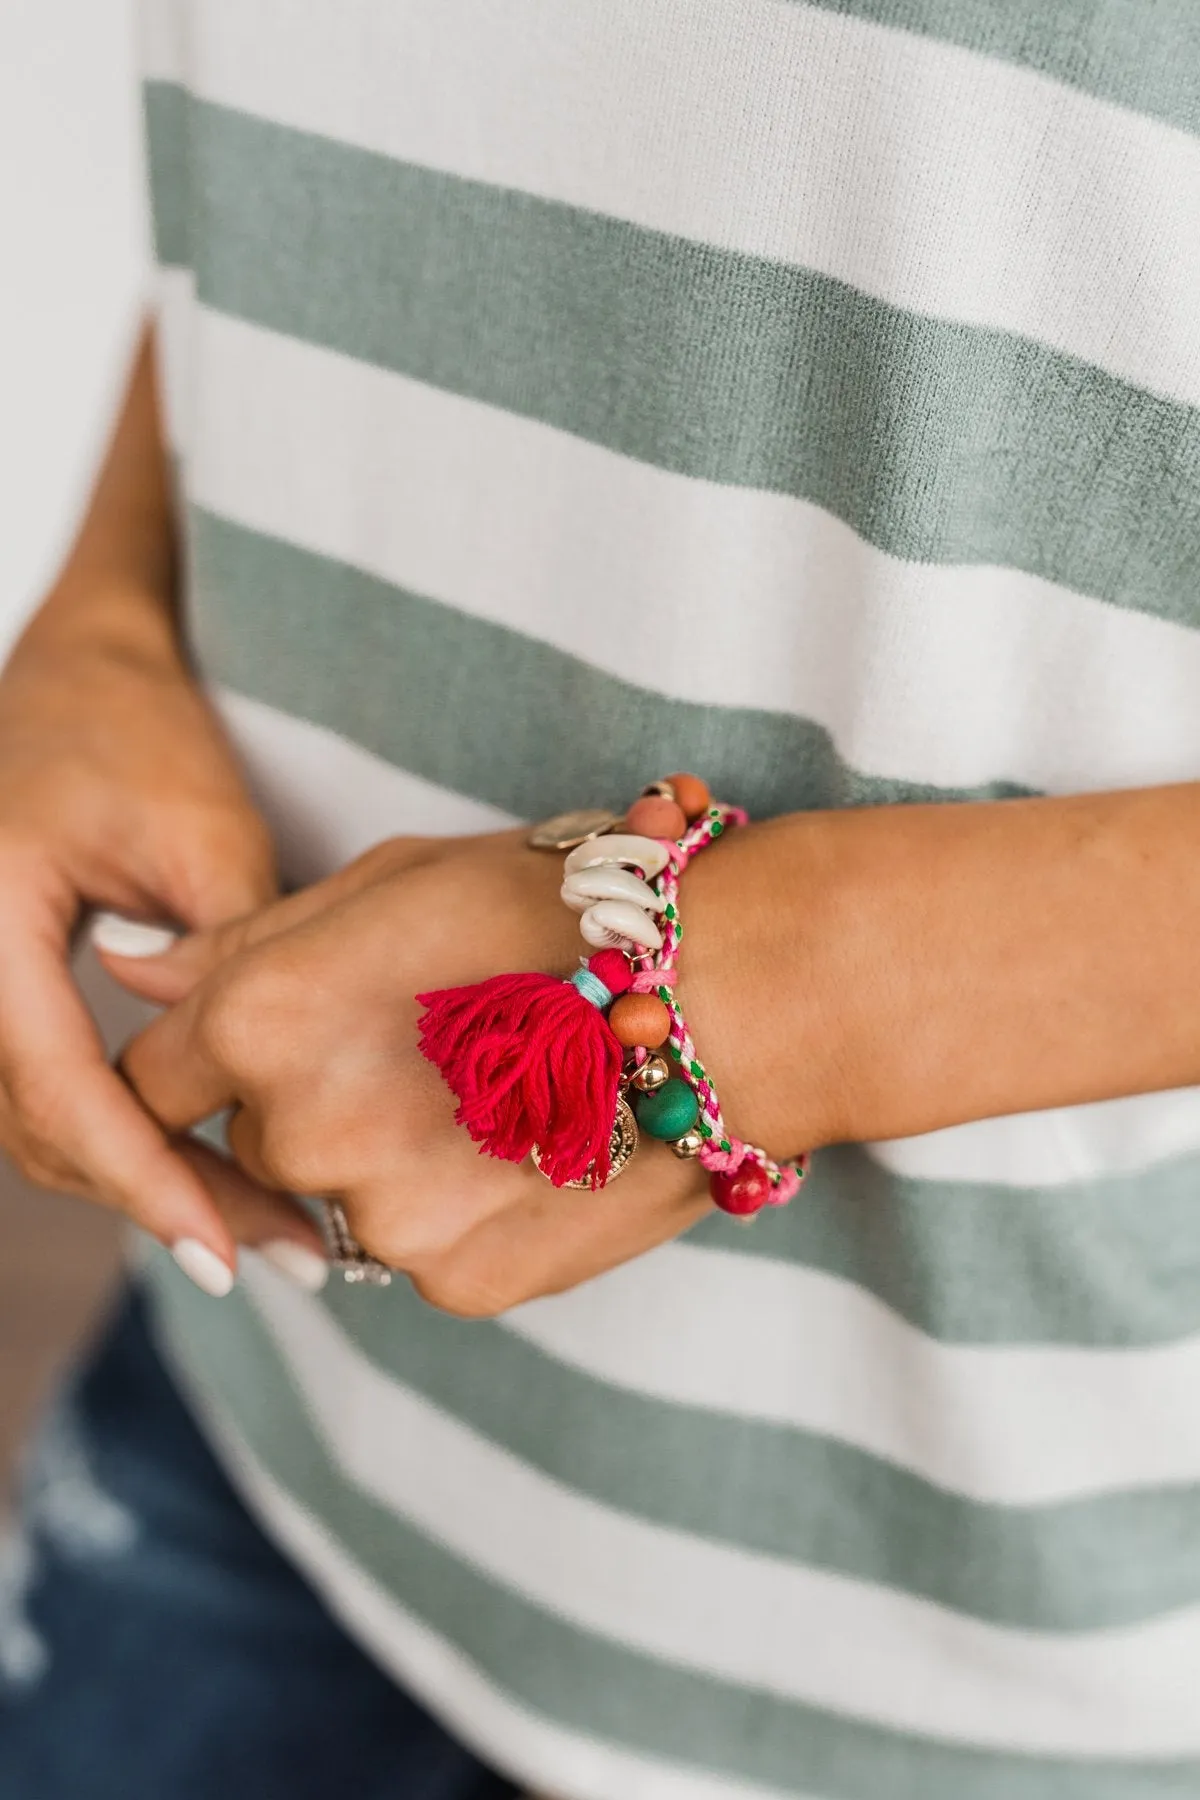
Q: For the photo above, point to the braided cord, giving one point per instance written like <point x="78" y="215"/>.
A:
<point x="722" y="1152"/>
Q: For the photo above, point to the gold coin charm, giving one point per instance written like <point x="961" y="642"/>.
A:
<point x="621" y="1146"/>
<point x="566" y="831"/>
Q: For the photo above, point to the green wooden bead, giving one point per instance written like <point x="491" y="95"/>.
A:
<point x="669" y="1111"/>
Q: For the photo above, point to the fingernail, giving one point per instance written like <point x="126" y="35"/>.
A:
<point x="204" y="1266"/>
<point x="128" y="937"/>
<point x="308" y="1270"/>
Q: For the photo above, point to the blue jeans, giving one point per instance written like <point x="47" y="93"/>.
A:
<point x="155" y="1646"/>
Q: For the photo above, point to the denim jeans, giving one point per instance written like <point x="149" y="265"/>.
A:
<point x="155" y="1646"/>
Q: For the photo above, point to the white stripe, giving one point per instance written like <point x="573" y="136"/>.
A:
<point x="939" y="180"/>
<point x="481" y="1715"/>
<point x="163" y="39"/>
<point x="328" y="800"/>
<point x="1020" y="1426"/>
<point x="949" y="675"/>
<point x="759" y="1621"/>
<point x="1070" y="1143"/>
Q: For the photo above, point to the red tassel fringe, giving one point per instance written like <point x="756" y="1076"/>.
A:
<point x="530" y="1062"/>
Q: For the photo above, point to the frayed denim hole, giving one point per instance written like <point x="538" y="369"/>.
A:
<point x="63" y="1502"/>
<point x="24" y="1658"/>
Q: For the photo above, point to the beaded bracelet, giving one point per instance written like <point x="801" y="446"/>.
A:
<point x="742" y="1177"/>
<point x="546" y="1068"/>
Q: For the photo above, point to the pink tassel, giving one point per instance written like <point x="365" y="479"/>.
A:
<point x="531" y="1060"/>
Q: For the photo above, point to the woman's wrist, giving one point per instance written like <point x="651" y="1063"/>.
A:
<point x="757" y="980"/>
<point x="101" y="614"/>
<point x="115" y="593"/>
<point x="881" y="973"/>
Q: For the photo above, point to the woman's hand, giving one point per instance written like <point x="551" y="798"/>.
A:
<point x="848" y="976"/>
<point x="118" y="789"/>
<point x="304" y="1018"/>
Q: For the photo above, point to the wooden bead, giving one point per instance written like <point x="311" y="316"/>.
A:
<point x="669" y="1112"/>
<point x="741" y="1192"/>
<point x="640" y="1019"/>
<point x="656" y="818"/>
<point x="692" y="794"/>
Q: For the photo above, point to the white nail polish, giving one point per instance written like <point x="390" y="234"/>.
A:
<point x="204" y="1267"/>
<point x="129" y="937"/>
<point x="300" y="1265"/>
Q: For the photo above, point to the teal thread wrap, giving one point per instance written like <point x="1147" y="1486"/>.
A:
<point x="591" y="987"/>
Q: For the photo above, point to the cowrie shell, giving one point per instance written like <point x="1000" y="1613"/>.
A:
<point x="608" y="882"/>
<point x="643" y="853"/>
<point x="616" y="924"/>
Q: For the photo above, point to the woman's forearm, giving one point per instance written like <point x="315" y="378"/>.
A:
<point x="117" y="585"/>
<point x="878" y="973"/>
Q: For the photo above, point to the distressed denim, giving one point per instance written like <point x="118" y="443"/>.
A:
<point x="155" y="1646"/>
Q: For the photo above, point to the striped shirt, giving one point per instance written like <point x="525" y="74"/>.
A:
<point x="808" y="394"/>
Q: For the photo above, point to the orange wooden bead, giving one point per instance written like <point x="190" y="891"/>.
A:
<point x="640" y="1019"/>
<point x="656" y="818"/>
<point x="692" y="794"/>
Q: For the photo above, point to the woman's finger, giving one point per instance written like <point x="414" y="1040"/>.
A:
<point x="175" y="1069"/>
<point x="261" y="1218"/>
<point x="62" y="1093"/>
<point x="152" y="962"/>
<point x="244" y="1137"/>
<point x="66" y="1110"/>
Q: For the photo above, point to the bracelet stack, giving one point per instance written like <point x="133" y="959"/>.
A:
<point x="570" y="1072"/>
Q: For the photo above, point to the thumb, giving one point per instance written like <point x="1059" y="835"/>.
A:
<point x="152" y="961"/>
<point x="220" y="867"/>
<point x="155" y="962"/>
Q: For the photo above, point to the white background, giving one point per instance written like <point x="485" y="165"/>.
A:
<point x="72" y="269"/>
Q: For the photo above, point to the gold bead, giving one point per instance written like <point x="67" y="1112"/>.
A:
<point x="652" y="1075"/>
<point x="690" y="1144"/>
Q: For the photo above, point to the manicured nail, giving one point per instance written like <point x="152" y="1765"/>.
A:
<point x="308" y="1270"/>
<point x="129" y="937"/>
<point x="204" y="1266"/>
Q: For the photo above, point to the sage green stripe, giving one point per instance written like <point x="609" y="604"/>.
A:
<point x="936" y="441"/>
<point x="1077" y="1566"/>
<point x="1108" y="1263"/>
<point x="167" y="112"/>
<point x="1141" y="56"/>
<point x="581" y="1681"/>
<point x="1112" y="1262"/>
<point x="387" y="668"/>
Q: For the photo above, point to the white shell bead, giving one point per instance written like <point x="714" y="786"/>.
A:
<point x="614" y="924"/>
<point x="608" y="882"/>
<point x="641" y="853"/>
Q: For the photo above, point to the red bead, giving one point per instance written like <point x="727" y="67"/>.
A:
<point x="613" y="969"/>
<point x="691" y="793"/>
<point x="655" y="817"/>
<point x="740" y="1191"/>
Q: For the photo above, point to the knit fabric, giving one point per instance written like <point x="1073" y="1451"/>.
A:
<point x="809" y="395"/>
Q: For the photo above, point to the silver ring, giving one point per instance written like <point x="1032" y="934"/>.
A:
<point x="347" y="1254"/>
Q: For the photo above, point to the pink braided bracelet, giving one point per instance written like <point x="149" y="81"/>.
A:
<point x="744" y="1177"/>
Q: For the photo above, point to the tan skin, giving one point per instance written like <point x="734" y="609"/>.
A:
<point x="117" y="789"/>
<point x="850" y="976"/>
